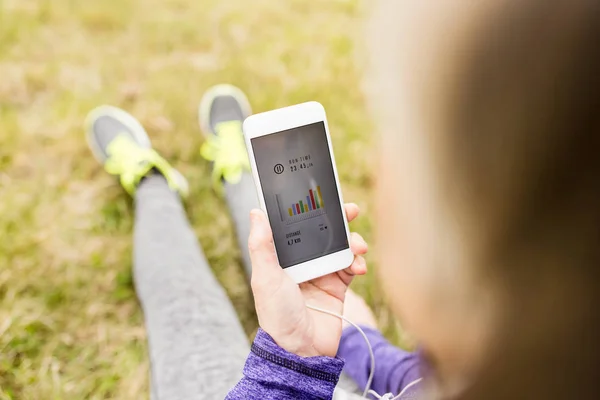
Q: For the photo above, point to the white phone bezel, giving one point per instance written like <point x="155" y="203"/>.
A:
<point x="280" y="120"/>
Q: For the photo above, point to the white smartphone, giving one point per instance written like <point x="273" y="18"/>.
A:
<point x="298" y="188"/>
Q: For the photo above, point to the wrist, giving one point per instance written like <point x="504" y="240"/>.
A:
<point x="302" y="347"/>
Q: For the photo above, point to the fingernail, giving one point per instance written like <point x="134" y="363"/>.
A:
<point x="363" y="262"/>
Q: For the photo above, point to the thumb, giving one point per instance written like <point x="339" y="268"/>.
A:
<point x="261" y="247"/>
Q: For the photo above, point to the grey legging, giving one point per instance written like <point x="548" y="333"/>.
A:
<point x="197" y="345"/>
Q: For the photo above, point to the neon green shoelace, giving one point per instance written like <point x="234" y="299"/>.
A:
<point x="228" y="152"/>
<point x="131" y="163"/>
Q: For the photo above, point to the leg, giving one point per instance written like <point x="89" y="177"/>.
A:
<point x="241" y="198"/>
<point x="197" y="346"/>
<point x="221" y="112"/>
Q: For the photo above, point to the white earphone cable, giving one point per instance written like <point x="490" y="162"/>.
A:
<point x="373" y="393"/>
<point x="368" y="390"/>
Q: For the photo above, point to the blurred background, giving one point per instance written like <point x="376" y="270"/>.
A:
<point x="70" y="323"/>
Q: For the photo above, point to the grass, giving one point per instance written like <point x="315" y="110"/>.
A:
<point x="70" y="324"/>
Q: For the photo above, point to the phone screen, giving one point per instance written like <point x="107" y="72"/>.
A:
<point x="301" y="195"/>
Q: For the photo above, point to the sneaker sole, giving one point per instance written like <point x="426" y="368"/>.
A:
<point x="137" y="130"/>
<point x="223" y="89"/>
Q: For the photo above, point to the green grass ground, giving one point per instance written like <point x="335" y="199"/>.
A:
<point x="70" y="324"/>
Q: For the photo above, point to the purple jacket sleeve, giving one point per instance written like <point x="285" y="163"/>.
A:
<point x="273" y="373"/>
<point x="394" y="368"/>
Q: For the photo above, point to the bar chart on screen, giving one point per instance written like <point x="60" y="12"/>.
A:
<point x="309" y="206"/>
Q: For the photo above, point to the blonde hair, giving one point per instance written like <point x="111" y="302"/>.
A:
<point x="511" y="92"/>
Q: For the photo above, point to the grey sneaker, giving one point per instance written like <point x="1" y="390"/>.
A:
<point x="120" y="143"/>
<point x="221" y="113"/>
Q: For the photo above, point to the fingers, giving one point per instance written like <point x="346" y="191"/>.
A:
<point x="262" y="249"/>
<point x="352" y="211"/>
<point x="358" y="244"/>
<point x="358" y="267"/>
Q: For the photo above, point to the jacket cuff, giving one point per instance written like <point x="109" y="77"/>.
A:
<point x="269" y="363"/>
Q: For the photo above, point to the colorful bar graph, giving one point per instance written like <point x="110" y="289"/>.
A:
<point x="313" y="202"/>
<point x="311" y="206"/>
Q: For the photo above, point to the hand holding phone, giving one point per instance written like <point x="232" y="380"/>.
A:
<point x="281" y="303"/>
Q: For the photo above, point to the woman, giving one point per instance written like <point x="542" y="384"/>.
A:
<point x="489" y="229"/>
